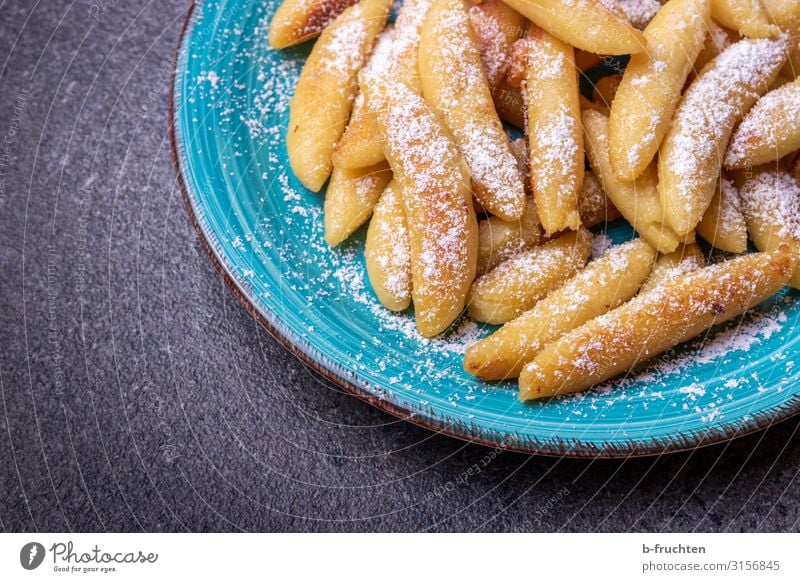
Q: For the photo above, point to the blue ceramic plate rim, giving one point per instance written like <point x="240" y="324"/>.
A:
<point x="375" y="395"/>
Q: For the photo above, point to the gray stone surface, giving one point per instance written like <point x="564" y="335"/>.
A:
<point x="138" y="395"/>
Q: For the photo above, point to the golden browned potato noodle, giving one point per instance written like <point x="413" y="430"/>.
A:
<point x="326" y="88"/>
<point x="608" y="34"/>
<point x="602" y="285"/>
<point x="717" y="40"/>
<point x="296" y="21"/>
<point x="769" y="131"/>
<point x="554" y="133"/>
<point x="350" y="197"/>
<point x="509" y="104"/>
<point x="654" y="322"/>
<point x="691" y="154"/>
<point x="515" y="285"/>
<point x="387" y="251"/>
<point x="770" y="202"/>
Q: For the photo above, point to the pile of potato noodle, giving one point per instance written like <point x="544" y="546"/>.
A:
<point x="697" y="136"/>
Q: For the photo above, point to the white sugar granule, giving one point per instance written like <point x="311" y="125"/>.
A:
<point x="211" y="77"/>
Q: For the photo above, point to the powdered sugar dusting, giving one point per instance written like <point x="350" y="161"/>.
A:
<point x="773" y="198"/>
<point x="555" y="151"/>
<point x="492" y="43"/>
<point x="343" y="50"/>
<point x="402" y="64"/>
<point x="765" y="122"/>
<point x="396" y="260"/>
<point x="639" y="12"/>
<point x="730" y="208"/>
<point x="481" y="138"/>
<point x="710" y="108"/>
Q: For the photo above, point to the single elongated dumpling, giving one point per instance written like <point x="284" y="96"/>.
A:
<point x="555" y="136"/>
<point x="769" y="131"/>
<point x="387" y="251"/>
<point x="350" y="197"/>
<point x="770" y="200"/>
<point x="591" y="25"/>
<point x="691" y="154"/>
<point x="454" y="83"/>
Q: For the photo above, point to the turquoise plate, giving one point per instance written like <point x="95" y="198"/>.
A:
<point x="264" y="232"/>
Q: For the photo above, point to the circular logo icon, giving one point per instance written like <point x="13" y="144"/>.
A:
<point x="31" y="555"/>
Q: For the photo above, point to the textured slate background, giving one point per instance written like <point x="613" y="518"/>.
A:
<point x="138" y="395"/>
